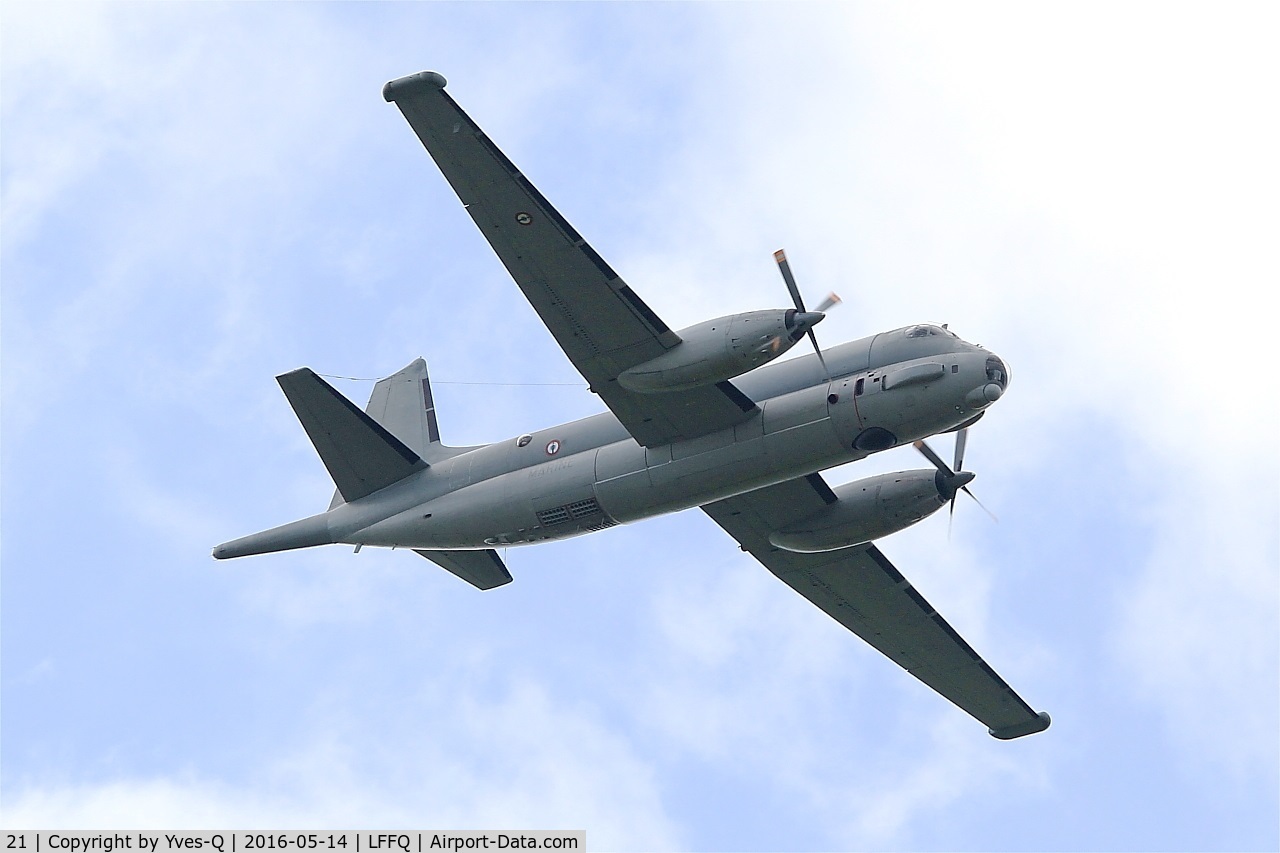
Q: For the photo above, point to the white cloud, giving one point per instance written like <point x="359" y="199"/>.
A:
<point x="1091" y="197"/>
<point x="517" y="760"/>
<point x="1199" y="625"/>
<point x="910" y="797"/>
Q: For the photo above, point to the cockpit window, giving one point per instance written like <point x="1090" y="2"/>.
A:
<point x="926" y="331"/>
<point x="997" y="372"/>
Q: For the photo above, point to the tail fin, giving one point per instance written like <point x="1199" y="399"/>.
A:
<point x="362" y="456"/>
<point x="402" y="403"/>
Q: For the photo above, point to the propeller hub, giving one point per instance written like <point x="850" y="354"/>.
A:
<point x="949" y="484"/>
<point x="802" y="321"/>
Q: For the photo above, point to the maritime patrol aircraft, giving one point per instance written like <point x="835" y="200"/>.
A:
<point x="696" y="418"/>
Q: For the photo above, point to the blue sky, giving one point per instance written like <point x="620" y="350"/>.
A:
<point x="199" y="197"/>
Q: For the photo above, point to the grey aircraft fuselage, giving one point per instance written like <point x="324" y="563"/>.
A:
<point x="590" y="474"/>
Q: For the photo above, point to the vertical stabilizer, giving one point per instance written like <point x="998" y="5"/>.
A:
<point x="402" y="404"/>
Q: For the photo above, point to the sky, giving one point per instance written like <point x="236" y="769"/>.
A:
<point x="198" y="197"/>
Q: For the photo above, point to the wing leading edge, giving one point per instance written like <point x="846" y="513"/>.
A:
<point x="600" y="323"/>
<point x="862" y="590"/>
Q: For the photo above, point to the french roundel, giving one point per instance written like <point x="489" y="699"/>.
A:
<point x="553" y="447"/>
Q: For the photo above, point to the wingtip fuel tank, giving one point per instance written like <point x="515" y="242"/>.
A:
<point x="412" y="83"/>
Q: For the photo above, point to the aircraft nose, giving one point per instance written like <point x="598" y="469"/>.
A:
<point x="984" y="395"/>
<point x="997" y="372"/>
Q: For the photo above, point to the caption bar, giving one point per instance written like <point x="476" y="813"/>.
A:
<point x="239" y="841"/>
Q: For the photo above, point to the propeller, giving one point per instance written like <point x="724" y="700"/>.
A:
<point x="952" y="481"/>
<point x="805" y="320"/>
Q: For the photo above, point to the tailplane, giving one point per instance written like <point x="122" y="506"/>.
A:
<point x="481" y="569"/>
<point x="361" y="455"/>
<point x="363" y="451"/>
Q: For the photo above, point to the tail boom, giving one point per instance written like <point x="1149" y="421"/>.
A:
<point x="303" y="533"/>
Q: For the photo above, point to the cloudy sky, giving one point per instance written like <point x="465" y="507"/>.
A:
<point x="199" y="197"/>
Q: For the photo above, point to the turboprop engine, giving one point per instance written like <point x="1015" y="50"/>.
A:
<point x="721" y="349"/>
<point x="869" y="509"/>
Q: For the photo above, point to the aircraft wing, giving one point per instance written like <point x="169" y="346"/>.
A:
<point x="862" y="590"/>
<point x="599" y="322"/>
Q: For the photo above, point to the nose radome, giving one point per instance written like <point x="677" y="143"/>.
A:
<point x="984" y="395"/>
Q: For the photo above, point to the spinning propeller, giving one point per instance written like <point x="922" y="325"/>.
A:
<point x="951" y="481"/>
<point x="805" y="320"/>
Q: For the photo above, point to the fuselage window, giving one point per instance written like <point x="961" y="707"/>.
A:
<point x="858" y="386"/>
<point x="523" y="440"/>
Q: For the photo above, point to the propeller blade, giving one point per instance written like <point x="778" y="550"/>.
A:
<point x="959" y="478"/>
<point x="933" y="457"/>
<point x="965" y="489"/>
<point x="785" y="267"/>
<point x="818" y="350"/>
<point x="827" y="304"/>
<point x="962" y="437"/>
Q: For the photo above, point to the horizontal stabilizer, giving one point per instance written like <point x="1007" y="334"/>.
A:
<point x="361" y="455"/>
<point x="481" y="569"/>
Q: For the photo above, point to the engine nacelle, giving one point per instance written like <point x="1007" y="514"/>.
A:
<point x="720" y="349"/>
<point x="867" y="510"/>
